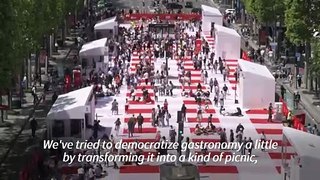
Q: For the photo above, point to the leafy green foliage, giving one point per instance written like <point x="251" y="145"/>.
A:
<point x="265" y="10"/>
<point x="315" y="63"/>
<point x="298" y="22"/>
<point x="23" y="24"/>
<point x="8" y="37"/>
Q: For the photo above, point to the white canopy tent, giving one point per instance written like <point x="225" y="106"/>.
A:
<point x="209" y="15"/>
<point x="307" y="147"/>
<point x="94" y="48"/>
<point x="70" y="107"/>
<point x="256" y="85"/>
<point x="227" y="43"/>
<point x="106" y="26"/>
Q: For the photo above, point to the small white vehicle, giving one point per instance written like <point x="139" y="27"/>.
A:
<point x="230" y="11"/>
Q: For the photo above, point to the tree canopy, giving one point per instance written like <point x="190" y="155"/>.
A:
<point x="298" y="22"/>
<point x="265" y="11"/>
<point x="23" y="24"/>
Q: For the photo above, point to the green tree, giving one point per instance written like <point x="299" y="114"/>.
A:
<point x="265" y="11"/>
<point x="250" y="6"/>
<point x="301" y="18"/>
<point x="315" y="63"/>
<point x="297" y="21"/>
<point x="10" y="35"/>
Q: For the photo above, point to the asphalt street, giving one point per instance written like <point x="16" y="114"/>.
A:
<point x="138" y="4"/>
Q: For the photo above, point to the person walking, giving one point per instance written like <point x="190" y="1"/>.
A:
<point x="299" y="80"/>
<point x="171" y="88"/>
<point x="34" y="126"/>
<point x="117" y="126"/>
<point x="211" y="85"/>
<point x="223" y="136"/>
<point x="162" y="113"/>
<point x="231" y="135"/>
<point x="225" y="90"/>
<point x="206" y="77"/>
<point x="221" y="102"/>
<point x="153" y="117"/>
<point x="140" y="120"/>
<point x="243" y="148"/>
<point x="270" y="112"/>
<point x="131" y="124"/>
<point x="165" y="105"/>
<point x="168" y="117"/>
<point x="114" y="108"/>
<point x="250" y="146"/>
<point x="34" y="94"/>
<point x="224" y="75"/>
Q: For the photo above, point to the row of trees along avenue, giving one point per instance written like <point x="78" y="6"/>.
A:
<point x="23" y="26"/>
<point x="301" y="18"/>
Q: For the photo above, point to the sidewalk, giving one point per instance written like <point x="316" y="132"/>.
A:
<point x="16" y="138"/>
<point x="308" y="101"/>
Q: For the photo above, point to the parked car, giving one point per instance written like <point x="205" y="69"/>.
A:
<point x="196" y="10"/>
<point x="174" y="6"/>
<point x="189" y="4"/>
<point x="229" y="11"/>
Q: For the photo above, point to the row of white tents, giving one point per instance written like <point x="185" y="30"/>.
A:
<point x="227" y="40"/>
<point x="256" y="90"/>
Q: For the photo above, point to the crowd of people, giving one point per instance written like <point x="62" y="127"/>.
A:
<point x="151" y="48"/>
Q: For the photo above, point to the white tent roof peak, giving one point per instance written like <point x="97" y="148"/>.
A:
<point x="305" y="144"/>
<point x="94" y="48"/>
<point x="68" y="106"/>
<point x="106" y="24"/>
<point x="210" y="9"/>
<point x="222" y="29"/>
<point x="254" y="68"/>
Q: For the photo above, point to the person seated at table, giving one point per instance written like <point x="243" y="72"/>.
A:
<point x="206" y="94"/>
<point x="124" y="152"/>
<point x="199" y="93"/>
<point x="145" y="94"/>
<point x="199" y="114"/>
<point x="198" y="100"/>
<point x="211" y="128"/>
<point x="191" y="94"/>
<point x="198" y="131"/>
<point x="199" y="87"/>
<point x="218" y="130"/>
<point x="184" y="93"/>
<point x="133" y="96"/>
<point x="148" y="99"/>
